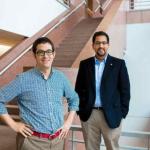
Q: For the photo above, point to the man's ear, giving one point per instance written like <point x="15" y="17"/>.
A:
<point x="93" y="45"/>
<point x="34" y="55"/>
<point x="54" y="53"/>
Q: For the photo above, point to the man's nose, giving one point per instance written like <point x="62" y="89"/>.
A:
<point x="101" y="45"/>
<point x="45" y="54"/>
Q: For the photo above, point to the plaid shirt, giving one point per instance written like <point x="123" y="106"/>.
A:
<point x="40" y="101"/>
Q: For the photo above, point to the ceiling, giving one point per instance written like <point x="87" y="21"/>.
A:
<point x="8" y="40"/>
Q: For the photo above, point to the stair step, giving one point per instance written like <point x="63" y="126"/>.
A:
<point x="12" y="106"/>
<point x="67" y="50"/>
<point x="62" y="62"/>
<point x="70" y="51"/>
<point x="62" y="65"/>
<point x="12" y="109"/>
<point x="80" y="30"/>
<point x="13" y="102"/>
<point x="71" y="46"/>
<point x="76" y="38"/>
<point x="70" y="42"/>
<point x="16" y="117"/>
<point x="73" y="42"/>
<point x="66" y="54"/>
<point x="78" y="35"/>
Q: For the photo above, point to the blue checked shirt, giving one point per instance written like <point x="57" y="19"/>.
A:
<point x="40" y="101"/>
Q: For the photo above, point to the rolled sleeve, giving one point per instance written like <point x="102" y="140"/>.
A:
<point x="8" y="92"/>
<point x="71" y="96"/>
<point x="3" y="109"/>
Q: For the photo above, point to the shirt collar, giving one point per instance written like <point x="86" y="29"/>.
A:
<point x="104" y="60"/>
<point x="40" y="73"/>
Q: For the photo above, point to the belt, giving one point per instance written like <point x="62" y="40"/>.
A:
<point x="98" y="108"/>
<point x="46" y="135"/>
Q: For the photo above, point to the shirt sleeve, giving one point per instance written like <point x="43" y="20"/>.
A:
<point x="8" y="92"/>
<point x="71" y="95"/>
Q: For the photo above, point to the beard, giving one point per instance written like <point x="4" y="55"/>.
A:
<point x="101" y="52"/>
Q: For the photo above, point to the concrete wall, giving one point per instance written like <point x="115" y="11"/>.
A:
<point x="137" y="58"/>
<point x="138" y="16"/>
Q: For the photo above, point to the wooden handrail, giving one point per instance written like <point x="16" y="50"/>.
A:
<point x="27" y="44"/>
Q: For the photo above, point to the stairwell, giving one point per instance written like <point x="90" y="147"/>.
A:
<point x="66" y="53"/>
<point x="72" y="45"/>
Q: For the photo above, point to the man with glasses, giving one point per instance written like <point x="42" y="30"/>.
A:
<point x="39" y="93"/>
<point x="104" y="92"/>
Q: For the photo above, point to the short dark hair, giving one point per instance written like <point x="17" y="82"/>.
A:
<point x="42" y="40"/>
<point x="100" y="33"/>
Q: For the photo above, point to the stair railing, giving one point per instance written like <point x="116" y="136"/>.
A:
<point x="101" y="6"/>
<point x="139" y="4"/>
<point x="106" y="4"/>
<point x="29" y="47"/>
<point x="65" y="2"/>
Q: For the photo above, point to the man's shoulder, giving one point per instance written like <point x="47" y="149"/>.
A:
<point x="87" y="60"/>
<point x="116" y="59"/>
<point x="58" y="72"/>
<point x="26" y="73"/>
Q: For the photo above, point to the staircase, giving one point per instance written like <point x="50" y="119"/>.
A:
<point x="70" y="48"/>
<point x="66" y="53"/>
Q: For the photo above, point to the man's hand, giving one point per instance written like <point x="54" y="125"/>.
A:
<point x="64" y="130"/>
<point x="22" y="128"/>
<point x="19" y="127"/>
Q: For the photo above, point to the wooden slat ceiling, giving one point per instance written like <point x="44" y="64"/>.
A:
<point x="9" y="38"/>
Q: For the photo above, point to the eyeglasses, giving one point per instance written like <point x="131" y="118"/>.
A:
<point x="49" y="52"/>
<point x="99" y="43"/>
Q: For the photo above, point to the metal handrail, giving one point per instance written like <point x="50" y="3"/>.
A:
<point x="138" y="134"/>
<point x="55" y="26"/>
<point x="103" y="6"/>
<point x="63" y="19"/>
<point x="106" y="4"/>
<point x="65" y="3"/>
<point x="138" y="5"/>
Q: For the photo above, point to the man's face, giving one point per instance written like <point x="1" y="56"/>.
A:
<point x="101" y="46"/>
<point x="44" y="55"/>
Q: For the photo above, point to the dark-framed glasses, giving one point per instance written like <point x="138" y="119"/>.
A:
<point x="49" y="52"/>
<point x="102" y="42"/>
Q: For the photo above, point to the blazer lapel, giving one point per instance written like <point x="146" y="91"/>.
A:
<point x="108" y="67"/>
<point x="92" y="73"/>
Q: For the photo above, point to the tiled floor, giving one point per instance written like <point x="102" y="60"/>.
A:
<point x="7" y="138"/>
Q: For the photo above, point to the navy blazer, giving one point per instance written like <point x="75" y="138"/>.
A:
<point x="115" y="90"/>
